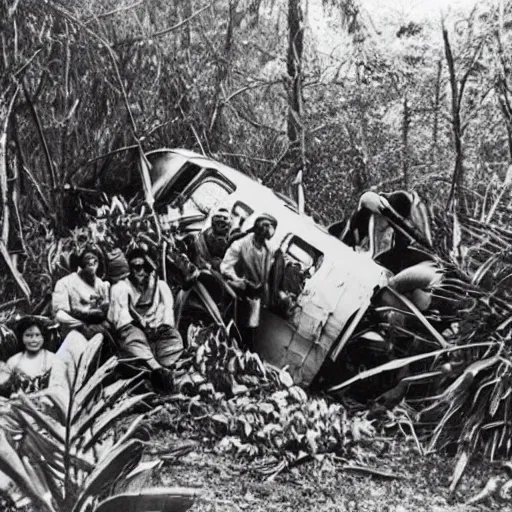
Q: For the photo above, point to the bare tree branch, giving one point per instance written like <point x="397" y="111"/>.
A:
<point x="115" y="11"/>
<point x="468" y="72"/>
<point x="168" y="30"/>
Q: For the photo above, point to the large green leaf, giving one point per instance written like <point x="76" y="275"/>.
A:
<point x="92" y="385"/>
<point x="118" y="461"/>
<point x="12" y="465"/>
<point x="108" y="397"/>
<point x="86" y="359"/>
<point x="397" y="364"/>
<point x="107" y="419"/>
<point x="47" y="423"/>
<point x="462" y="462"/>
<point x="421" y="317"/>
<point x="175" y="499"/>
<point x="134" y="427"/>
<point x="462" y="383"/>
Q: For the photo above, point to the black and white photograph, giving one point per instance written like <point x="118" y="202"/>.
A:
<point x="255" y="255"/>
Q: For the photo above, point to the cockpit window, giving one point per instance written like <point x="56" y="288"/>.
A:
<point x="175" y="188"/>
<point x="205" y="196"/>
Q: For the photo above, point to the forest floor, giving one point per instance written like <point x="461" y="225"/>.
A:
<point x="421" y="484"/>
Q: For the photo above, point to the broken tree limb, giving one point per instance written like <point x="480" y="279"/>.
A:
<point x="44" y="143"/>
<point x="3" y="170"/>
<point x="20" y="281"/>
<point x="4" y="238"/>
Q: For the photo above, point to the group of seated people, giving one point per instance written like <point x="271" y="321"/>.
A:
<point x="133" y="309"/>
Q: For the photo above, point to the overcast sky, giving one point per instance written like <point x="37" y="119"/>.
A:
<point x="420" y="9"/>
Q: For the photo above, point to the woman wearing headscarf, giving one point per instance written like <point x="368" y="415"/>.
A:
<point x="80" y="300"/>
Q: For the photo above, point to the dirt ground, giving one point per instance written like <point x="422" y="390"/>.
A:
<point x="230" y="485"/>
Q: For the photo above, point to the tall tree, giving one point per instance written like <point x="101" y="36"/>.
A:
<point x="469" y="69"/>
<point x="294" y="63"/>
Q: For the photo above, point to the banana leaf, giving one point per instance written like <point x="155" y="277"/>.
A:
<point x="463" y="382"/>
<point x="175" y="499"/>
<point x="462" y="462"/>
<point x="480" y="273"/>
<point x="210" y="304"/>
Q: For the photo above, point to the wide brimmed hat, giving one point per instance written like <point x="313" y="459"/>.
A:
<point x="221" y="213"/>
<point x="266" y="216"/>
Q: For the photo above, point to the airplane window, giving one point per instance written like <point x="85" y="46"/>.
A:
<point x="205" y="197"/>
<point x="239" y="213"/>
<point x="295" y="263"/>
<point x="306" y="255"/>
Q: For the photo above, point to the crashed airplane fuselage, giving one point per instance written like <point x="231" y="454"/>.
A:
<point x="339" y="282"/>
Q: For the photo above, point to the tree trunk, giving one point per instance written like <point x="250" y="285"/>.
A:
<point x="186" y="8"/>
<point x="506" y="110"/>
<point x="215" y="129"/>
<point x="405" y="143"/>
<point x="458" y="172"/>
<point x="294" y="68"/>
<point x="435" y="127"/>
<point x="502" y="85"/>
<point x="362" y="160"/>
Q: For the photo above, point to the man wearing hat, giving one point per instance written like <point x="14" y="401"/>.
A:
<point x="246" y="266"/>
<point x="142" y="313"/>
<point x="207" y="248"/>
<point x="80" y="300"/>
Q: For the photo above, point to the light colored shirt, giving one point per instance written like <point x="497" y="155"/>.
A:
<point x="244" y="260"/>
<point x="124" y="293"/>
<point x="72" y="293"/>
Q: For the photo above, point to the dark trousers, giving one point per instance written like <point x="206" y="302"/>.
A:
<point x="151" y="347"/>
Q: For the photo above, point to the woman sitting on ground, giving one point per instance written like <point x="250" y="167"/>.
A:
<point x="34" y="368"/>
